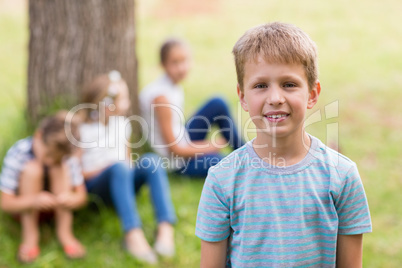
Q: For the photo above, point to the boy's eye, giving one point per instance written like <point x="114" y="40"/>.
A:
<point x="260" y="86"/>
<point x="289" y="85"/>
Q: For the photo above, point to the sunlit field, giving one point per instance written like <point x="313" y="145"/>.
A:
<point x="360" y="60"/>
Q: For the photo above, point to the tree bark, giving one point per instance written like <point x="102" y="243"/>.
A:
<point x="72" y="41"/>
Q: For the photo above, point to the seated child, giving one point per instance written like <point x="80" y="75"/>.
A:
<point x="190" y="151"/>
<point x="109" y="174"/>
<point x="284" y="199"/>
<point x="29" y="165"/>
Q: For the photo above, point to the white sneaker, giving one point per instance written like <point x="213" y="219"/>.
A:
<point x="164" y="250"/>
<point x="147" y="257"/>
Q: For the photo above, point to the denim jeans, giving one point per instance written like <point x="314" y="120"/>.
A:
<point x="215" y="111"/>
<point x="119" y="183"/>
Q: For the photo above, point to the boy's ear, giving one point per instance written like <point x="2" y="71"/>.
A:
<point x="313" y="95"/>
<point x="243" y="102"/>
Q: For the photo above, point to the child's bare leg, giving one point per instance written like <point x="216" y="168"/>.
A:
<point x="59" y="184"/>
<point x="31" y="183"/>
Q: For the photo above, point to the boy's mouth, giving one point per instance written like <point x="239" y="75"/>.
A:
<point x="277" y="116"/>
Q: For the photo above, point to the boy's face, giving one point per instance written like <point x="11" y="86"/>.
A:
<point x="177" y="63"/>
<point x="276" y="96"/>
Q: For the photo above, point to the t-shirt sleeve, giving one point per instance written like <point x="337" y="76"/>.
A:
<point x="13" y="165"/>
<point x="9" y="178"/>
<point x="352" y="207"/>
<point x="75" y="171"/>
<point x="213" y="221"/>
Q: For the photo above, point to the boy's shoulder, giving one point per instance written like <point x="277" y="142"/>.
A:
<point x="320" y="158"/>
<point x="13" y="163"/>
<point x="18" y="154"/>
<point x="161" y="84"/>
<point x="329" y="159"/>
<point x="234" y="164"/>
<point x="23" y="146"/>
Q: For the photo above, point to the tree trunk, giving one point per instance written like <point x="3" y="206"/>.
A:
<point x="72" y="41"/>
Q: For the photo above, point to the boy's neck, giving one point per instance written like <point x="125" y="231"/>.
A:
<point x="282" y="151"/>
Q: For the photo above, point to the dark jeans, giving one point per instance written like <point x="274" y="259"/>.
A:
<point x="213" y="112"/>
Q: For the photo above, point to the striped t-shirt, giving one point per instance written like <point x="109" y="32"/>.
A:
<point x="282" y="216"/>
<point x="17" y="157"/>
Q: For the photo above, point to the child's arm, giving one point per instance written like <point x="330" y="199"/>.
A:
<point x="73" y="199"/>
<point x="15" y="204"/>
<point x="349" y="251"/>
<point x="164" y="119"/>
<point x="70" y="195"/>
<point x="354" y="218"/>
<point x="213" y="223"/>
<point x="213" y="254"/>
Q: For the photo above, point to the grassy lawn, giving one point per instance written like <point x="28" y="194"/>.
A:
<point x="360" y="70"/>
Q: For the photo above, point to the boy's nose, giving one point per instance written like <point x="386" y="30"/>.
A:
<point x="275" y="96"/>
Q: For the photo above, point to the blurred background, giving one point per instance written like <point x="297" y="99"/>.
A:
<point x="360" y="64"/>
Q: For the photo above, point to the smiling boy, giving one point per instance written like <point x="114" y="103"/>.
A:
<point x="284" y="199"/>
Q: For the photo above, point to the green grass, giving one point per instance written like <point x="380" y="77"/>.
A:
<point x="360" y="67"/>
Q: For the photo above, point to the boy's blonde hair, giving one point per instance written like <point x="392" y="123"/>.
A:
<point x="277" y="43"/>
<point x="54" y="135"/>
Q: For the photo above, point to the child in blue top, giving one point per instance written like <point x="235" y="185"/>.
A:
<point x="284" y="199"/>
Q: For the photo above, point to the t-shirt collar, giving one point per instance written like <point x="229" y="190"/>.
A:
<point x="306" y="161"/>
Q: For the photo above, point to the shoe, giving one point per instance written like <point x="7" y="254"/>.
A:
<point x="74" y="251"/>
<point x="164" y="250"/>
<point x="148" y="257"/>
<point x="32" y="254"/>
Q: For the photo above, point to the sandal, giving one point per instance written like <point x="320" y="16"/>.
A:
<point x="74" y="251"/>
<point x="28" y="255"/>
